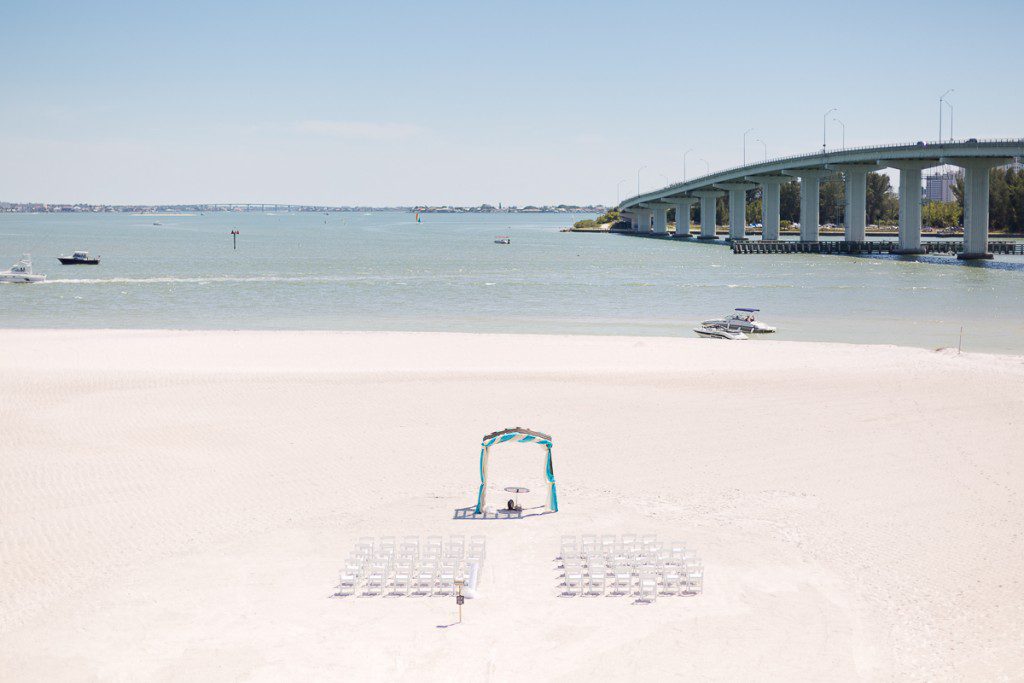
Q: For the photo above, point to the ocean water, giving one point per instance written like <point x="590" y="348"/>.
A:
<point x="383" y="271"/>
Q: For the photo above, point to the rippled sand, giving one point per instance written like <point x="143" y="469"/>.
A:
<point x="176" y="505"/>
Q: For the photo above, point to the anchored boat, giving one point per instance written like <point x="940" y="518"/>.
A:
<point x="79" y="258"/>
<point x="743" y="320"/>
<point x="21" y="272"/>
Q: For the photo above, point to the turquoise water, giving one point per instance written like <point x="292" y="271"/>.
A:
<point x="383" y="271"/>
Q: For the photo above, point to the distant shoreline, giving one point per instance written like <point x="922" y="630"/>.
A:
<point x="193" y="209"/>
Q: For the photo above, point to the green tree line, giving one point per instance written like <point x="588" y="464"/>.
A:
<point x="882" y="203"/>
<point x="1006" y="203"/>
<point x="1005" y="199"/>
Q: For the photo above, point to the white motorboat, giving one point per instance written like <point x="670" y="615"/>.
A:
<point x="502" y="240"/>
<point x="21" y="272"/>
<point x="713" y="332"/>
<point x="743" y="320"/>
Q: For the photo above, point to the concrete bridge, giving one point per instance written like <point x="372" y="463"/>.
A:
<point x="648" y="212"/>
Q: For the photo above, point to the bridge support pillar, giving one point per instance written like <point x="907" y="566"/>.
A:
<point x="634" y="223"/>
<point x="643" y="224"/>
<point x="660" y="220"/>
<point x="910" y="203"/>
<point x="737" y="208"/>
<point x="708" y="212"/>
<point x="976" y="172"/>
<point x="855" y="220"/>
<point x="810" y="201"/>
<point x="770" y="191"/>
<point x="682" y="206"/>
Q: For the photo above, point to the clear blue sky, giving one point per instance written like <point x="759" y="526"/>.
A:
<point x="469" y="102"/>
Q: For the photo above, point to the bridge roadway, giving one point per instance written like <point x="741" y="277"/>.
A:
<point x="648" y="212"/>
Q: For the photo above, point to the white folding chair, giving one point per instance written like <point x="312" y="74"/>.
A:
<point x="446" y="578"/>
<point x="608" y="542"/>
<point x="431" y="554"/>
<point x="647" y="586"/>
<point x="401" y="579"/>
<point x="589" y="543"/>
<point x="376" y="579"/>
<point x="694" y="578"/>
<point x="671" y="579"/>
<point x="365" y="545"/>
<point x="348" y="580"/>
<point x="455" y="549"/>
<point x="426" y="578"/>
<point x="573" y="578"/>
<point x="568" y="550"/>
<point x="630" y="543"/>
<point x="622" y="579"/>
<point x="597" y="578"/>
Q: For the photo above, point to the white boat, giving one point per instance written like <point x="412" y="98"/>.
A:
<point x="21" y="272"/>
<point x="743" y="320"/>
<point x="503" y="240"/>
<point x="719" y="332"/>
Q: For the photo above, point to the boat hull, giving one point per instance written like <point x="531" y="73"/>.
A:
<point x="717" y="333"/>
<point x="78" y="261"/>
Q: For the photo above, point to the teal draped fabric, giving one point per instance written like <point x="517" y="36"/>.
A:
<point x="551" y="481"/>
<point x="480" y="493"/>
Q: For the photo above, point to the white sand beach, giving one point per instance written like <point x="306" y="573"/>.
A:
<point x="177" y="505"/>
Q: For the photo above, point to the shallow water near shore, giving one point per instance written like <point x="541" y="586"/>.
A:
<point x="384" y="271"/>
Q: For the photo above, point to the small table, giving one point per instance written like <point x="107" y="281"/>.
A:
<point x="517" y="490"/>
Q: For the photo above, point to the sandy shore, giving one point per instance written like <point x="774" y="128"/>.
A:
<point x="176" y="505"/>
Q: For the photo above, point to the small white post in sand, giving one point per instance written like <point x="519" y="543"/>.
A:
<point x="459" y="597"/>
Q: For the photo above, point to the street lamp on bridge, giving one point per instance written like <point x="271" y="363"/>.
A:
<point x="684" y="162"/>
<point x="844" y="130"/>
<point x="765" y="148"/>
<point x="707" y="166"/>
<point x="824" y="128"/>
<point x="745" y="145"/>
<point x="618" y="191"/>
<point x="948" y="104"/>
<point x="638" y="180"/>
<point x="941" y="100"/>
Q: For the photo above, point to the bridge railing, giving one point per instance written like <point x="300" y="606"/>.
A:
<point x="823" y="156"/>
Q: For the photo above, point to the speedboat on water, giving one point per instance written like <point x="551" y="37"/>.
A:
<point x="713" y="332"/>
<point x="21" y="272"/>
<point x="743" y="320"/>
<point x="79" y="258"/>
<point x="503" y="240"/>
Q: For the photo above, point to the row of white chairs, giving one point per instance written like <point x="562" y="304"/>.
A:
<point x="432" y="547"/>
<point x="626" y="544"/>
<point x="639" y="566"/>
<point x="407" y="567"/>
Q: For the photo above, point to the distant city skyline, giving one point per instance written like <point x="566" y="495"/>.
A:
<point x="463" y="103"/>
